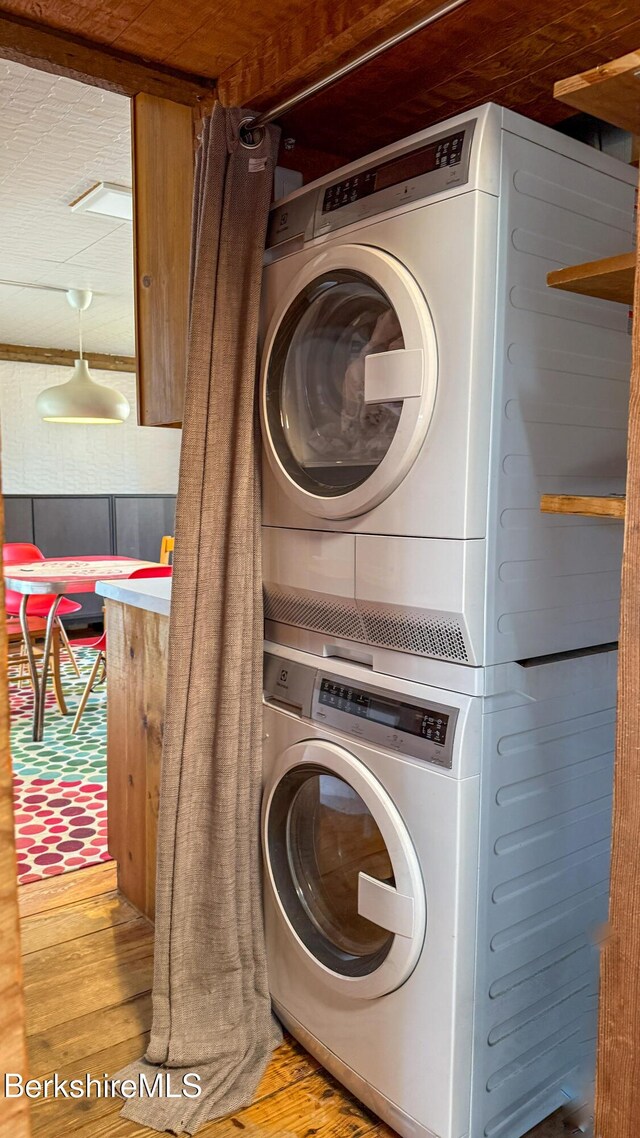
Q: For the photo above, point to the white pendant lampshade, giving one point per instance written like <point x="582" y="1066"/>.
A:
<point x="81" y="399"/>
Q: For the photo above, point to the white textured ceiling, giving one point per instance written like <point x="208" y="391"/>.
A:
<point x="57" y="138"/>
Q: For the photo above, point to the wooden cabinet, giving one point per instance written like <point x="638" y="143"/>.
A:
<point x="163" y="160"/>
<point x="136" y="682"/>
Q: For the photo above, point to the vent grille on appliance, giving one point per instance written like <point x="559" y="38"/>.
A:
<point x="384" y="627"/>
<point x="420" y="634"/>
<point x="315" y="613"/>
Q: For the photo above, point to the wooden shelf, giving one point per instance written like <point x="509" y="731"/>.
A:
<point x="611" y="278"/>
<point x="594" y="506"/>
<point x="610" y="92"/>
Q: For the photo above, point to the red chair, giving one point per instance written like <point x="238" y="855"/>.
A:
<point x="100" y="645"/>
<point x="20" y="553"/>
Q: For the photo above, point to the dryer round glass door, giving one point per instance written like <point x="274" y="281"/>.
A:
<point x="348" y="381"/>
<point x="342" y="869"/>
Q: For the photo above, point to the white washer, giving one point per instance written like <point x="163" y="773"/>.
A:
<point x="421" y="387"/>
<point x="436" y="866"/>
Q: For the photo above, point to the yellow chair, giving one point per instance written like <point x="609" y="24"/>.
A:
<point x="166" y="549"/>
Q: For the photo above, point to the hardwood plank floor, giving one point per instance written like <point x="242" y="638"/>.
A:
<point x="88" y="961"/>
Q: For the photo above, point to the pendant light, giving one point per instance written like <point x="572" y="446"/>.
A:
<point x="81" y="399"/>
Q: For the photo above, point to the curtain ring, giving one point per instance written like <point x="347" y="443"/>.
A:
<point x="249" y="136"/>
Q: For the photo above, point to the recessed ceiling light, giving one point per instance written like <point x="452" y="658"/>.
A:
<point x="107" y="199"/>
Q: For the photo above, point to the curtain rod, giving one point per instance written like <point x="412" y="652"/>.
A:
<point x="251" y="129"/>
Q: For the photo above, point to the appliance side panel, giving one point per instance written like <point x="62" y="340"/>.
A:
<point x="560" y="410"/>
<point x="546" y="788"/>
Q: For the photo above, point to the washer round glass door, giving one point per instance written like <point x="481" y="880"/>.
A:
<point x="348" y="381"/>
<point x="343" y="870"/>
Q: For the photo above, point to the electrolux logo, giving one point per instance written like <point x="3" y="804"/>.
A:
<point x="284" y="675"/>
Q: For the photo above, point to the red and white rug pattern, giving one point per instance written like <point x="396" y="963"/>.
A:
<point x="60" y="784"/>
<point x="60" y="826"/>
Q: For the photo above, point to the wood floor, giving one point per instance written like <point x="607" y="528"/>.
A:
<point x="88" y="966"/>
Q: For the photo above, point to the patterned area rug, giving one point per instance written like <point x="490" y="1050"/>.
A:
<point x="60" y="784"/>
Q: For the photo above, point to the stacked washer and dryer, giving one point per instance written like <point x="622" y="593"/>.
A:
<point x="440" y="665"/>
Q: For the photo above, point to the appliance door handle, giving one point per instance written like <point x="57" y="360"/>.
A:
<point x="390" y="376"/>
<point x="384" y="906"/>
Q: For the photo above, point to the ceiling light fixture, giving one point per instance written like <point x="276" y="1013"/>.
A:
<point x="107" y="199"/>
<point x="81" y="399"/>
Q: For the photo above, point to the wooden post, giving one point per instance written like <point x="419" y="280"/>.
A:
<point x="136" y="682"/>
<point x="618" y="1077"/>
<point x="14" y="1112"/>
<point x="163" y="163"/>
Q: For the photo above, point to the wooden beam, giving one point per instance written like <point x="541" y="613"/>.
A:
<point x="62" y="357"/>
<point x="302" y="50"/>
<point x="618" y="1086"/>
<point x="610" y="92"/>
<point x="60" y="53"/>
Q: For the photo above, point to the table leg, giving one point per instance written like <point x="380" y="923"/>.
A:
<point x="33" y="671"/>
<point x="57" y="680"/>
<point x="41" y="692"/>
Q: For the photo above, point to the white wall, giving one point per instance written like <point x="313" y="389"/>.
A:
<point x="64" y="458"/>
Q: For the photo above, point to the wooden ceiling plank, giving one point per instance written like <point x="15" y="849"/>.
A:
<point x="62" y="54"/>
<point x="508" y="76"/>
<point x="479" y="30"/>
<point x="610" y="92"/>
<point x="533" y="96"/>
<point x="162" y="27"/>
<point x="326" y="33"/>
<point x="101" y="23"/>
<point x="61" y="357"/>
<point x="210" y="53"/>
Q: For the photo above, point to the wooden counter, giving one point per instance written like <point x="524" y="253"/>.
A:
<point x="136" y="681"/>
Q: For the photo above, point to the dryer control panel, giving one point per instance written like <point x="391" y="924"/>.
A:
<point x="412" y="171"/>
<point x="413" y="727"/>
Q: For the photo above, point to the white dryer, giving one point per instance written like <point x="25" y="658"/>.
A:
<point x="436" y="866"/>
<point x="421" y="387"/>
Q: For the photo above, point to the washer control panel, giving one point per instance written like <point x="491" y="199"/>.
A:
<point x="413" y="727"/>
<point x="422" y="730"/>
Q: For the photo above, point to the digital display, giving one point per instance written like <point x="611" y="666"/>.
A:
<point x="444" y="152"/>
<point x="425" y="722"/>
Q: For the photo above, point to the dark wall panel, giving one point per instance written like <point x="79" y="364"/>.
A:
<point x="66" y="527"/>
<point x="141" y="523"/>
<point x="18" y="519"/>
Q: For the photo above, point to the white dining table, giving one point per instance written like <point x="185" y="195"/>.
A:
<point x="53" y="577"/>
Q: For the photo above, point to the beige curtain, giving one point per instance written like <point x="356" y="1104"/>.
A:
<point x="211" y="1010"/>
